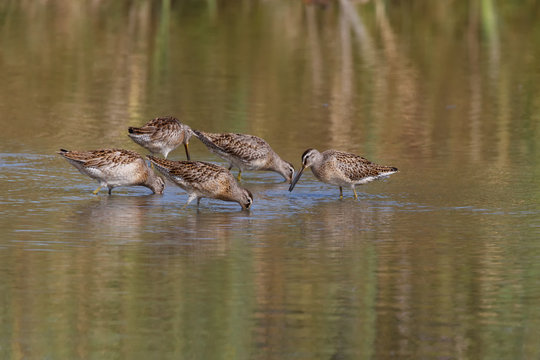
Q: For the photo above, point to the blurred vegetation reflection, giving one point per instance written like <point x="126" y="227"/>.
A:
<point x="442" y="261"/>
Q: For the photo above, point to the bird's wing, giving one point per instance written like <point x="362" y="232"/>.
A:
<point x="356" y="167"/>
<point x="158" y="129"/>
<point x="197" y="172"/>
<point x="244" y="147"/>
<point x="108" y="157"/>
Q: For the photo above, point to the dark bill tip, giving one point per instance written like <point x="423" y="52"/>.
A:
<point x="296" y="178"/>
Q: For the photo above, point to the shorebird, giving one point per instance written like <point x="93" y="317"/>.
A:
<point x="114" y="167"/>
<point x="162" y="135"/>
<point x="246" y="152"/>
<point x="201" y="179"/>
<point x="342" y="169"/>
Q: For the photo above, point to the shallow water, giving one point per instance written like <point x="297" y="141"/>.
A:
<point x="440" y="260"/>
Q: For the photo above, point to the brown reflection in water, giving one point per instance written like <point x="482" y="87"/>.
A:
<point x="130" y="272"/>
<point x="359" y="29"/>
<point x="342" y="90"/>
<point x="475" y="85"/>
<point x="111" y="218"/>
<point x="400" y="104"/>
<point x="315" y="55"/>
<point x="86" y="67"/>
<point x="198" y="233"/>
<point x="106" y="80"/>
<point x="115" y="220"/>
<point x="316" y="283"/>
<point x="393" y="74"/>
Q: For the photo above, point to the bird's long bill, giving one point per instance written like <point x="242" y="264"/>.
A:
<point x="296" y="178"/>
<point x="187" y="152"/>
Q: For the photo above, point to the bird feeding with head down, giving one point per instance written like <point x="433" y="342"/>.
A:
<point x="341" y="169"/>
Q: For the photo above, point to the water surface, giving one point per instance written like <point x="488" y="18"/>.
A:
<point x="440" y="260"/>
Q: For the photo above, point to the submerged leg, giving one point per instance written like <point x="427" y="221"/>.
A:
<point x="190" y="199"/>
<point x="355" y="196"/>
<point x="340" y="192"/>
<point x="198" y="201"/>
<point x="95" y="192"/>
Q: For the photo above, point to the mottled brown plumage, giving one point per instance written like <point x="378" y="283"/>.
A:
<point x="201" y="179"/>
<point x="342" y="169"/>
<point x="162" y="135"/>
<point x="246" y="152"/>
<point x="114" y="167"/>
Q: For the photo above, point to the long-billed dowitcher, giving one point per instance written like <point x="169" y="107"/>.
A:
<point x="201" y="179"/>
<point x="114" y="167"/>
<point x="246" y="152"/>
<point x="341" y="169"/>
<point x="162" y="135"/>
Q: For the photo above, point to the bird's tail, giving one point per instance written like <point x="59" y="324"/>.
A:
<point x="206" y="140"/>
<point x="134" y="130"/>
<point x="387" y="170"/>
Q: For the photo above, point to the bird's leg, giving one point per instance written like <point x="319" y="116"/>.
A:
<point x="198" y="201"/>
<point x="355" y="196"/>
<point x="95" y="192"/>
<point x="110" y="190"/>
<point x="230" y="167"/>
<point x="240" y="174"/>
<point x="190" y="199"/>
<point x="187" y="152"/>
<point x="340" y="192"/>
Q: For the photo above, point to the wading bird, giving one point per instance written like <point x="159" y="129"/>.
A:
<point x="201" y="179"/>
<point x="162" y="135"/>
<point x="114" y="167"/>
<point x="246" y="152"/>
<point x="342" y="169"/>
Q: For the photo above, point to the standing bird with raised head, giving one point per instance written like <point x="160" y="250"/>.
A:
<point x="342" y="169"/>
<point x="246" y="152"/>
<point x="162" y="135"/>
<point x="114" y="167"/>
<point x="201" y="179"/>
